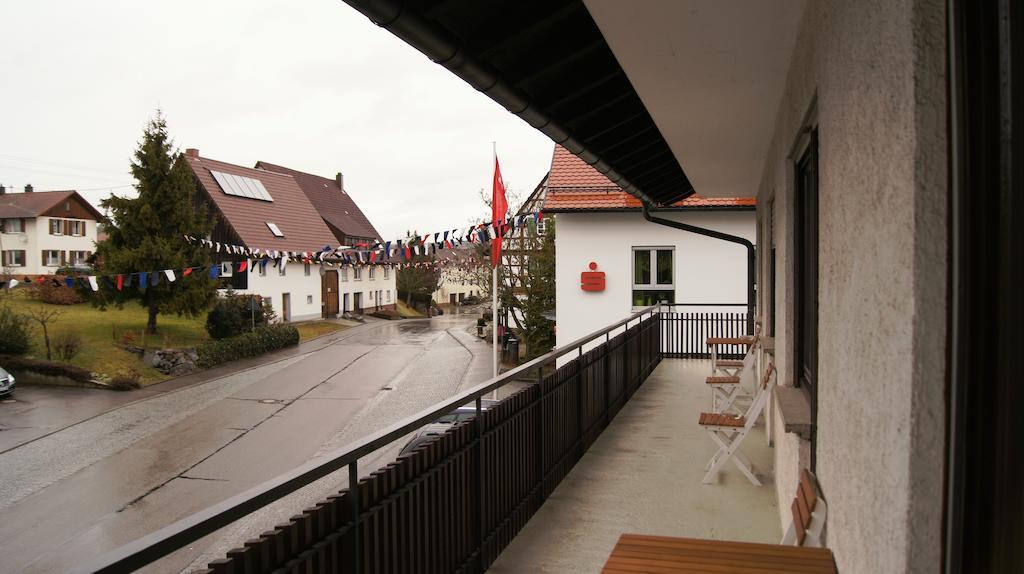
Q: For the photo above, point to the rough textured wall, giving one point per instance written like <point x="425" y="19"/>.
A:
<point x="870" y="75"/>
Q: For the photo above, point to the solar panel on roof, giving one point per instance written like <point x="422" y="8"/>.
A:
<point x="240" y="186"/>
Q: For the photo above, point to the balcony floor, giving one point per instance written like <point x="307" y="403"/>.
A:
<point x="643" y="475"/>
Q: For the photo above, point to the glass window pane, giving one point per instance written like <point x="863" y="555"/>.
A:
<point x="664" y="267"/>
<point x="642" y="267"/>
<point x="648" y="297"/>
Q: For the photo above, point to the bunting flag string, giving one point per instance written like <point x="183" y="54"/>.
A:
<point x="399" y="253"/>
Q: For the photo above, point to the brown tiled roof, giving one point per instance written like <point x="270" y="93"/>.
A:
<point x="291" y="211"/>
<point x="574" y="185"/>
<point x="335" y="205"/>
<point x="36" y="203"/>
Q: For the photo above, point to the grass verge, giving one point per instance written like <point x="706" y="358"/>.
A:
<point x="312" y="329"/>
<point x="407" y="312"/>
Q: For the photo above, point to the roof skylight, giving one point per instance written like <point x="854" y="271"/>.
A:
<point x="274" y="229"/>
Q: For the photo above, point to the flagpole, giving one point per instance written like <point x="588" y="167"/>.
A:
<point x="494" y="291"/>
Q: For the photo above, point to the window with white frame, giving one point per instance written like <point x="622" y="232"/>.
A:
<point x="387" y="272"/>
<point x="357" y="273"/>
<point x="282" y="268"/>
<point x="388" y="293"/>
<point x="14" y="258"/>
<point x="77" y="228"/>
<point x="309" y="299"/>
<point x="344" y="273"/>
<point x="653" y="276"/>
<point x="56" y="227"/>
<point x="51" y="257"/>
<point x="372" y="270"/>
<point x="262" y="265"/>
<point x="305" y="269"/>
<point x="14" y="225"/>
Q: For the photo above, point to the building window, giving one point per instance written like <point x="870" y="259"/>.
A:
<point x="806" y="281"/>
<point x="77" y="228"/>
<point x="357" y="273"/>
<point x="56" y="227"/>
<point x="274" y="229"/>
<point x="305" y="269"/>
<point x="387" y="273"/>
<point x="653" y="276"/>
<point x="263" y="267"/>
<point x="372" y="270"/>
<point x="344" y="273"/>
<point x="14" y="225"/>
<point x="14" y="258"/>
<point x="309" y="299"/>
<point x="51" y="258"/>
<point x="388" y="294"/>
<point x="282" y="268"/>
<point x="78" y="257"/>
<point x="540" y="226"/>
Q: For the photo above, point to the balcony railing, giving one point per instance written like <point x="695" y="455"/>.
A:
<point x="454" y="503"/>
<point x="685" y="328"/>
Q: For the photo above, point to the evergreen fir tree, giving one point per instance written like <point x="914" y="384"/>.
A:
<point x="146" y="233"/>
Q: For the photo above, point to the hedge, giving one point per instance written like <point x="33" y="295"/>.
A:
<point x="262" y="340"/>
<point x="47" y="368"/>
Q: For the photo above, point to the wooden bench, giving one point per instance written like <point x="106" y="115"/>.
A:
<point x="801" y="550"/>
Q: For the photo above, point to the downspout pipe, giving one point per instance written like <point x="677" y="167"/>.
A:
<point x="751" y="256"/>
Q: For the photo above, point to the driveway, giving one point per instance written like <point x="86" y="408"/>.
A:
<point x="85" y="489"/>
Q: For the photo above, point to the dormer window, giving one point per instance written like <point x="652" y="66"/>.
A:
<point x="274" y="229"/>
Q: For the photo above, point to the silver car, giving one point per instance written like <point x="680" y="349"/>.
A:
<point x="6" y="383"/>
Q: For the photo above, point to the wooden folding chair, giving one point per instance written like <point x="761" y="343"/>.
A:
<point x="726" y="392"/>
<point x="809" y="514"/>
<point x="728" y="431"/>
<point x="730" y="367"/>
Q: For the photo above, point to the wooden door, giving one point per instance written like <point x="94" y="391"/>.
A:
<point x="329" y="294"/>
<point x="286" y="307"/>
<point x="451" y="299"/>
<point x="357" y="302"/>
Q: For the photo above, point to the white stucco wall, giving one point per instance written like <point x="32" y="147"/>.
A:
<point x="870" y="75"/>
<point x="706" y="270"/>
<point x="305" y="291"/>
<point x="37" y="237"/>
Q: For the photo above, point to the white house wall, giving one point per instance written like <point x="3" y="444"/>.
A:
<point x="36" y="238"/>
<point x="870" y="75"/>
<point x="706" y="270"/>
<point x="305" y="291"/>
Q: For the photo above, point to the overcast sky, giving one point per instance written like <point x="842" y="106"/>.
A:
<point x="309" y="84"/>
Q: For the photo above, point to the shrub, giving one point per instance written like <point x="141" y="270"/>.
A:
<point x="126" y="380"/>
<point x="67" y="344"/>
<point x="47" y="368"/>
<point x="47" y="292"/>
<point x="15" y="336"/>
<point x="263" y="340"/>
<point x="231" y="316"/>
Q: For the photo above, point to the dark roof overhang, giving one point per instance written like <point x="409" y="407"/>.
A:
<point x="546" y="62"/>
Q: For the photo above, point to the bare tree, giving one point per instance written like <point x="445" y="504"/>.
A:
<point x="44" y="317"/>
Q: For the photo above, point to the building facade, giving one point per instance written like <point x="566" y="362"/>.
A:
<point x="269" y="210"/>
<point x="43" y="231"/>
<point x="601" y="233"/>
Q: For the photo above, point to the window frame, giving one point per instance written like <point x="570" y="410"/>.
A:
<point x="20" y="222"/>
<point x="56" y="226"/>
<point x="46" y="257"/>
<point x="8" y="254"/>
<point x="653" y="285"/>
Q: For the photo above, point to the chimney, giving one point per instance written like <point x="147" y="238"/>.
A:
<point x="340" y="180"/>
<point x="28" y="188"/>
<point x="192" y="152"/>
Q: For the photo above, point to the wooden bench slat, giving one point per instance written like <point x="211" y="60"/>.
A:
<point x="721" y="420"/>
<point x="730" y="340"/>
<point x="798" y="522"/>
<point x="722" y="381"/>
<point x="663" y="554"/>
<point x="806" y="490"/>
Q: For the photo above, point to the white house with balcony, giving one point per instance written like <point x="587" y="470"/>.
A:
<point x="635" y="263"/>
<point x="43" y="231"/>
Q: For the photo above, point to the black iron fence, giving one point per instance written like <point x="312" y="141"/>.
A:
<point x="453" y="504"/>
<point x="686" y="327"/>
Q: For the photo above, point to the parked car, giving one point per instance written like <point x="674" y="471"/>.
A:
<point x="443" y="423"/>
<point x="6" y="383"/>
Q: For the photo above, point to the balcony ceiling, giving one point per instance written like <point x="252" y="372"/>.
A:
<point x="711" y="73"/>
<point x="707" y="77"/>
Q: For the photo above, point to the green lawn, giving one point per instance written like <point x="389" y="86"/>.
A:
<point x="313" y="329"/>
<point x="103" y="331"/>
<point x="406" y="312"/>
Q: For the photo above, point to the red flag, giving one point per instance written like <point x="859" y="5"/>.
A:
<point x="187" y="272"/>
<point x="242" y="266"/>
<point x="120" y="282"/>
<point x="499" y="208"/>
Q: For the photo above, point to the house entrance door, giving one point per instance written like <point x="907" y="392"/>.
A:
<point x="357" y="303"/>
<point x="286" y="307"/>
<point x="329" y="294"/>
<point x="451" y="299"/>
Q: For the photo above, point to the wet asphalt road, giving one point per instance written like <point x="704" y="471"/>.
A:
<point x="78" y="492"/>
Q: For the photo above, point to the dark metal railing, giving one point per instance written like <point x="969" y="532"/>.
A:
<point x="684" y="333"/>
<point x="454" y="503"/>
